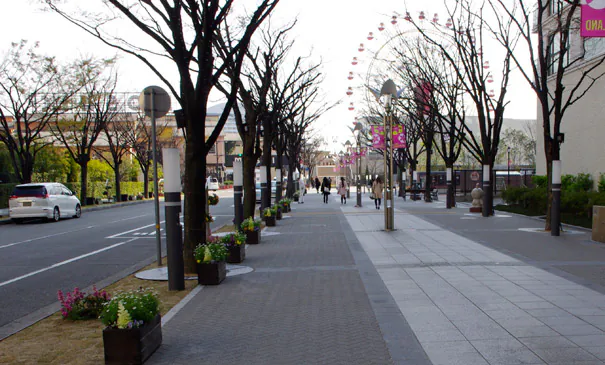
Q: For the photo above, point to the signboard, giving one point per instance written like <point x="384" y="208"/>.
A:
<point x="474" y="176"/>
<point x="593" y="17"/>
<point x="378" y="137"/>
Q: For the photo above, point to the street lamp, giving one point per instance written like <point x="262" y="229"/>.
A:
<point x="390" y="91"/>
<point x="358" y="129"/>
<point x="348" y="144"/>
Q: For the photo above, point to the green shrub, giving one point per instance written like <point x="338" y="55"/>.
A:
<point x="228" y="182"/>
<point x="5" y="192"/>
<point x="581" y="182"/>
<point x="513" y="195"/>
<point x="540" y="181"/>
<point x="601" y="184"/>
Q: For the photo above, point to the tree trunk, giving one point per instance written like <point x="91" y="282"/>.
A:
<point x="117" y="182"/>
<point x="266" y="161"/>
<point x="195" y="198"/>
<point x="83" y="162"/>
<point x="427" y="183"/>
<point x="550" y="157"/>
<point x="146" y="183"/>
<point x="290" y="186"/>
<point x="249" y="165"/>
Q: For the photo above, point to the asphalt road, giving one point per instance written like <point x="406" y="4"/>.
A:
<point x="37" y="258"/>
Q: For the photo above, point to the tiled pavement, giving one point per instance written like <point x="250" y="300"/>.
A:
<point x="469" y="304"/>
<point x="333" y="288"/>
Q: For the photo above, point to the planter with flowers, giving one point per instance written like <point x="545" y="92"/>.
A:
<point x="285" y="204"/>
<point x="134" y="327"/>
<point x="295" y="196"/>
<point x="279" y="209"/>
<point x="251" y="228"/>
<point x="269" y="215"/>
<point x="212" y="199"/>
<point x="80" y="306"/>
<point x="211" y="266"/>
<point x="209" y="218"/>
<point x="236" y="246"/>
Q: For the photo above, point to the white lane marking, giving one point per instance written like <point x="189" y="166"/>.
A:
<point x="43" y="237"/>
<point x="63" y="233"/>
<point x="65" y="262"/>
<point x="133" y="230"/>
<point x="127" y="219"/>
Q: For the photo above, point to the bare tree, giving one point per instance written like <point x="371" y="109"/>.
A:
<point x="116" y="133"/>
<point x="88" y="114"/>
<point x="186" y="33"/>
<point x="462" y="46"/>
<point x="545" y="47"/>
<point x="33" y="90"/>
<point x="139" y="138"/>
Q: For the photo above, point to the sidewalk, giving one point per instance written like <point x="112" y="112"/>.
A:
<point x="446" y="287"/>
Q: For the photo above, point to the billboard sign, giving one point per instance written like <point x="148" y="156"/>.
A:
<point x="593" y="17"/>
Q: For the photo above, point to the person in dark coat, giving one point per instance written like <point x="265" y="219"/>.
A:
<point x="325" y="189"/>
<point x="317" y="184"/>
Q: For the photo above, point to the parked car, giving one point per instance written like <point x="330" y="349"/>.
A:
<point x="52" y="201"/>
<point x="212" y="183"/>
<point x="273" y="190"/>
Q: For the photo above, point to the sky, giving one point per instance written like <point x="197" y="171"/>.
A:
<point x="329" y="30"/>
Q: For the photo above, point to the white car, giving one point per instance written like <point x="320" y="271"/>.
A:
<point x="52" y="201"/>
<point x="212" y="183"/>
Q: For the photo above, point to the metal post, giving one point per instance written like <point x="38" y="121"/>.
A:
<point x="358" y="172"/>
<point x="156" y="197"/>
<point x="448" y="178"/>
<point x="263" y="188"/>
<point x="391" y="202"/>
<point x="277" y="185"/>
<point x="508" y="165"/>
<point x="238" y="182"/>
<point x="385" y="165"/>
<point x="172" y="209"/>
<point x="555" y="214"/>
<point x="487" y="190"/>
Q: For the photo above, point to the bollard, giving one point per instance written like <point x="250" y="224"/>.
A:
<point x="172" y="209"/>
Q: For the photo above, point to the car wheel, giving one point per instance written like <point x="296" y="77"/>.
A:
<point x="78" y="211"/>
<point x="56" y="215"/>
<point x="18" y="220"/>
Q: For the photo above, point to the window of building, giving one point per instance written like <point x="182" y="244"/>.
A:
<point x="555" y="7"/>
<point x="593" y="47"/>
<point x="554" y="52"/>
<point x="212" y="149"/>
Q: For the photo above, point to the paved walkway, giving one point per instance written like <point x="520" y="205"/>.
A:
<point x="333" y="288"/>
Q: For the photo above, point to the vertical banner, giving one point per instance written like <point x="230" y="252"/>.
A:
<point x="399" y="136"/>
<point x="592" y="15"/>
<point x="377" y="136"/>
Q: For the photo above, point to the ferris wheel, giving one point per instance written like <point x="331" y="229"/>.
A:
<point x="376" y="59"/>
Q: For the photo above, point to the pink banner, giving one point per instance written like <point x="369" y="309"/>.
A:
<point x="399" y="137"/>
<point x="377" y="136"/>
<point x="593" y="16"/>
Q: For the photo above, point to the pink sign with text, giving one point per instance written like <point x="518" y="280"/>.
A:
<point x="593" y="17"/>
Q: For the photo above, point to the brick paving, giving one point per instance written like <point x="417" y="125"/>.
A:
<point x="305" y="303"/>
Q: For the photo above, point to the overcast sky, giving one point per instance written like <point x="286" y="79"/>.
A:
<point x="330" y="30"/>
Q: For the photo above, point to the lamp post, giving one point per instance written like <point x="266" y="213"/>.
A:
<point x="348" y="144"/>
<point x="389" y="90"/>
<point x="357" y="130"/>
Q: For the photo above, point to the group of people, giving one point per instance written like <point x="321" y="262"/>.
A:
<point x="325" y="186"/>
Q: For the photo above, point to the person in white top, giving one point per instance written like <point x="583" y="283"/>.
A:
<point x="301" y="190"/>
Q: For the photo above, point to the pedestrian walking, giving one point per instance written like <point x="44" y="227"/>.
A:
<point x="301" y="191"/>
<point x="377" y="190"/>
<point x="317" y="184"/>
<point x="325" y="189"/>
<point x="342" y="190"/>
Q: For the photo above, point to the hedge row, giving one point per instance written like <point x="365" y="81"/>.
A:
<point x="95" y="190"/>
<point x="577" y="203"/>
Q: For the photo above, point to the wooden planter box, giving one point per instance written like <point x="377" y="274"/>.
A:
<point x="237" y="253"/>
<point x="286" y="208"/>
<point x="295" y="197"/>
<point x="134" y="345"/>
<point x="211" y="274"/>
<point x="252" y="237"/>
<point x="270" y="221"/>
<point x="278" y="216"/>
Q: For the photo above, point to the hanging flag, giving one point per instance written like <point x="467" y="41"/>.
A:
<point x="399" y="136"/>
<point x="377" y="136"/>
